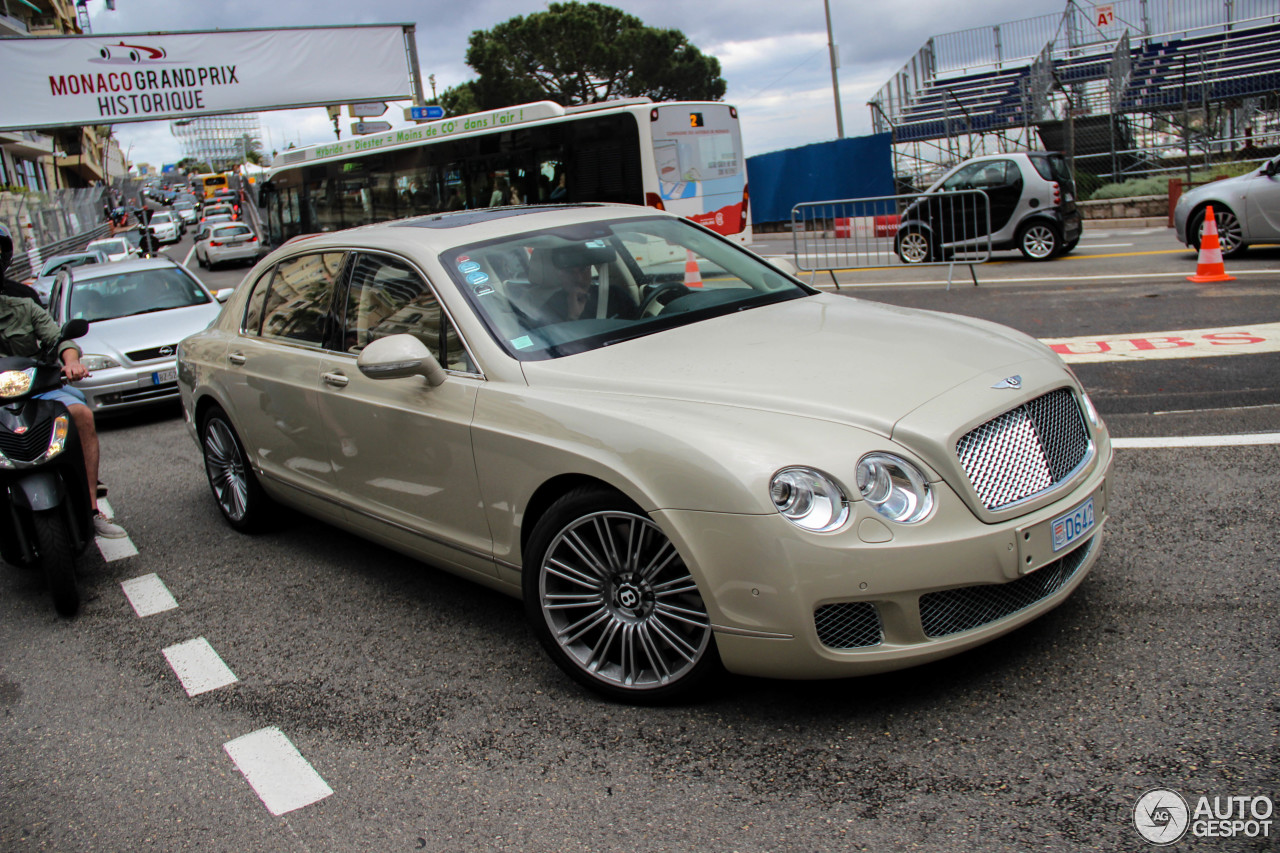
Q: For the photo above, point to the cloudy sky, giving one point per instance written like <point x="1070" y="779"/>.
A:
<point x="773" y="53"/>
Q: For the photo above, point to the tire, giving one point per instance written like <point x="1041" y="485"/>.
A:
<point x="1039" y="240"/>
<point x="1230" y="232"/>
<point x="914" y="246"/>
<point x="200" y="261"/>
<point x="1070" y="247"/>
<point x="58" y="559"/>
<point x="613" y="603"/>
<point x="235" y="488"/>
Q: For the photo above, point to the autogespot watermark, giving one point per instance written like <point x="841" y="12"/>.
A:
<point x="1162" y="816"/>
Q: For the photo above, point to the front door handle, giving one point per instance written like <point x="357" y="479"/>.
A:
<point x="237" y="358"/>
<point x="337" y="380"/>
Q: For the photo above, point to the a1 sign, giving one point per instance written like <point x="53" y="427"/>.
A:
<point x="1104" y="16"/>
<point x="367" y="110"/>
<point x="427" y="113"/>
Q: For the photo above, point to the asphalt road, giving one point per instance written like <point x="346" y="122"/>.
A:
<point x="425" y="705"/>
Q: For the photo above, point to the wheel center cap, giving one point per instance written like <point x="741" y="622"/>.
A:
<point x="627" y="596"/>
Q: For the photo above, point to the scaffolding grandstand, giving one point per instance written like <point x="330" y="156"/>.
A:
<point x="221" y="141"/>
<point x="1127" y="89"/>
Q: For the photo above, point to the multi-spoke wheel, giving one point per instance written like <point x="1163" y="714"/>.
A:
<point x="1230" y="232"/>
<point x="1039" y="240"/>
<point x="235" y="488"/>
<point x="613" y="602"/>
<point x="915" y="246"/>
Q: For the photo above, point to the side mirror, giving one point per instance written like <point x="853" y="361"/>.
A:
<point x="222" y="294"/>
<point x="77" y="328"/>
<point x="783" y="264"/>
<point x="398" y="356"/>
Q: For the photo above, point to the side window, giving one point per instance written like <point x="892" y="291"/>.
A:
<point x="297" y="298"/>
<point x="388" y="297"/>
<point x="967" y="178"/>
<point x="257" y="299"/>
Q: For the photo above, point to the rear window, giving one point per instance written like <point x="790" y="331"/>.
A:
<point x="231" y="230"/>
<point x="1052" y="167"/>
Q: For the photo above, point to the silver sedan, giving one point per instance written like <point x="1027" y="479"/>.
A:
<point x="1246" y="209"/>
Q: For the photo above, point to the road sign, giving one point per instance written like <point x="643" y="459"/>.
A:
<point x="367" y="110"/>
<point x="430" y="113"/>
<point x="362" y="127"/>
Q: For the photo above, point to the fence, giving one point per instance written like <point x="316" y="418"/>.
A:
<point x="43" y="223"/>
<point x="948" y="228"/>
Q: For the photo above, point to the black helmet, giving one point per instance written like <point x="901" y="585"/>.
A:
<point x="6" y="249"/>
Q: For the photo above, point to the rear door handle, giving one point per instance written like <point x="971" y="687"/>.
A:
<point x="237" y="358"/>
<point x="337" y="380"/>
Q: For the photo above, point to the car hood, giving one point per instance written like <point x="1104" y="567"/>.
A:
<point x="827" y="357"/>
<point x="147" y="331"/>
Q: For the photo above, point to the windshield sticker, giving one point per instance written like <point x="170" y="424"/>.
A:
<point x="481" y="289"/>
<point x="522" y="342"/>
<point x="477" y="278"/>
<point x="462" y="258"/>
<point x="465" y="267"/>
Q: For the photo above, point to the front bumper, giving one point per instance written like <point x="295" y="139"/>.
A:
<point x="768" y="585"/>
<point x="120" y="388"/>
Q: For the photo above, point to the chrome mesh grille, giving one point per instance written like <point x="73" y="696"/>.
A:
<point x="954" y="610"/>
<point x="848" y="625"/>
<point x="1026" y="450"/>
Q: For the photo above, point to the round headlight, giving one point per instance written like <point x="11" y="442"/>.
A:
<point x="894" y="488"/>
<point x="809" y="499"/>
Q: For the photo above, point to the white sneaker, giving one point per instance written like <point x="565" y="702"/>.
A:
<point x="107" y="528"/>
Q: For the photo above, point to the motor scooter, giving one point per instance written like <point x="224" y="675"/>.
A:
<point x="46" y="518"/>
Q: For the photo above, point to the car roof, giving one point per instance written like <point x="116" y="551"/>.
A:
<point x="120" y="267"/>
<point x="439" y="231"/>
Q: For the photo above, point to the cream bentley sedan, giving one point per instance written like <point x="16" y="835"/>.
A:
<point x="681" y="457"/>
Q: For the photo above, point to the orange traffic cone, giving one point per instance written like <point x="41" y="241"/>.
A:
<point x="692" y="277"/>
<point x="1209" y="266"/>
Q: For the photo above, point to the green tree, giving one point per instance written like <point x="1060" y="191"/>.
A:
<point x="460" y="100"/>
<point x="581" y="53"/>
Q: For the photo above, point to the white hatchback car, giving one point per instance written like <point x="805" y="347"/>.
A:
<point x="226" y="242"/>
<point x="673" y="470"/>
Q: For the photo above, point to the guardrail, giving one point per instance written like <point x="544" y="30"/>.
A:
<point x="934" y="229"/>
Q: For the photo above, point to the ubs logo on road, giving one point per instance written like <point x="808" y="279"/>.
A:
<point x="1160" y="816"/>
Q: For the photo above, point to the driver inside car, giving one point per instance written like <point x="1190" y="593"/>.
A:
<point x="577" y="294"/>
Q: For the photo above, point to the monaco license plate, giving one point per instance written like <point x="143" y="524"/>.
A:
<point x="1070" y="527"/>
<point x="171" y="375"/>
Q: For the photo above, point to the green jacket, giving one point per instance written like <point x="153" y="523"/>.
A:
<point x="25" y="328"/>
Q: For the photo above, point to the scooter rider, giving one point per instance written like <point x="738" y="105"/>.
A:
<point x="25" y="327"/>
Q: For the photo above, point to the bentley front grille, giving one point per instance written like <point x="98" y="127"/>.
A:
<point x="1026" y="450"/>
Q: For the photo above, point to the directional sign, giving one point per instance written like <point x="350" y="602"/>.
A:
<point x="363" y="127"/>
<point x="367" y="110"/>
<point x="430" y="113"/>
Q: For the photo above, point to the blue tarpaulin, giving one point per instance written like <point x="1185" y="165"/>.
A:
<point x="825" y="171"/>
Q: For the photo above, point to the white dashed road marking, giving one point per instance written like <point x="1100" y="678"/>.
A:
<point x="198" y="666"/>
<point x="148" y="595"/>
<point x="276" y="771"/>
<point x="114" y="549"/>
<point x="1198" y="441"/>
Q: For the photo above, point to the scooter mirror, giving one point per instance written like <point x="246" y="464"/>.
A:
<point x="77" y="328"/>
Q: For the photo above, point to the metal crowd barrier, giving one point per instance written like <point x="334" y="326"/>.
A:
<point x="945" y="228"/>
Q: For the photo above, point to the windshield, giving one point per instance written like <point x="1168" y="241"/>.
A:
<point x="56" y="264"/>
<point x="546" y="294"/>
<point x="132" y="293"/>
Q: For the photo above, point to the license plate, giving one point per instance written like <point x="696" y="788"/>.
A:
<point x="171" y="375"/>
<point x="1070" y="527"/>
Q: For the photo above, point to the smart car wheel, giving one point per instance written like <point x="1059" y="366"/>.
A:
<point x="1230" y="233"/>
<point x="613" y="603"/>
<point x="1039" y="241"/>
<point x="915" y="247"/>
<point x="235" y="488"/>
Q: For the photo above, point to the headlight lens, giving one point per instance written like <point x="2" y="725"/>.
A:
<point x="809" y="499"/>
<point x="98" y="362"/>
<point x="1090" y="412"/>
<point x="894" y="488"/>
<point x="15" y="383"/>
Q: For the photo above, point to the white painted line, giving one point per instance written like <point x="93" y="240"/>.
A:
<point x="1084" y="245"/>
<point x="198" y="666"/>
<point x="113" y="549"/>
<point x="1197" y="441"/>
<point x="1189" y="343"/>
<point x="148" y="595"/>
<point x="276" y="771"/>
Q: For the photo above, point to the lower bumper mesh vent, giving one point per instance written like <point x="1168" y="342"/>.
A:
<point x="848" y="625"/>
<point x="951" y="611"/>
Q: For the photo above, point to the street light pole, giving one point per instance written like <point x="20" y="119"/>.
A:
<point x="835" y="62"/>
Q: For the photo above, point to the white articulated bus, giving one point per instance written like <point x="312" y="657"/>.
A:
<point x="683" y="157"/>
